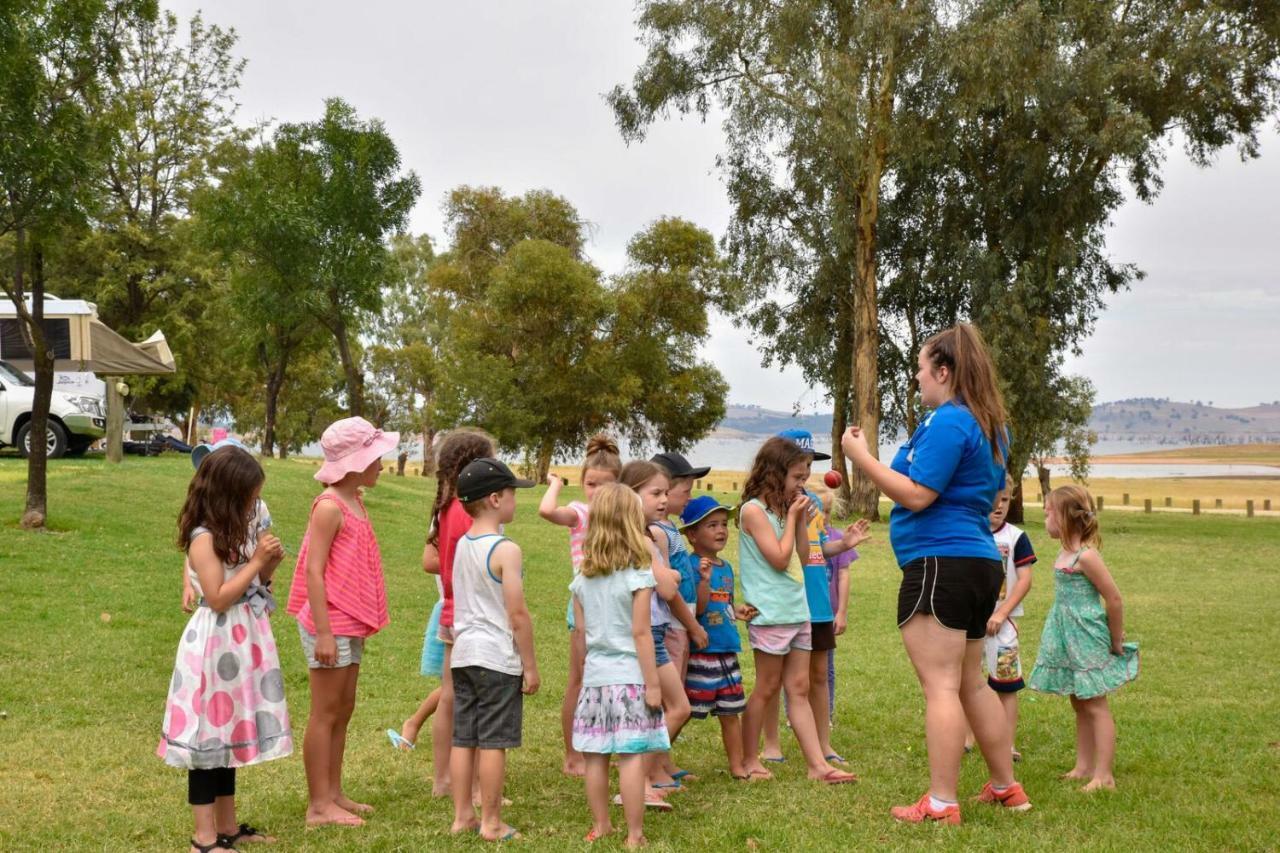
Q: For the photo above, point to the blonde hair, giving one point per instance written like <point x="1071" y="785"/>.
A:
<point x="962" y="350"/>
<point x="602" y="455"/>
<point x="616" y="535"/>
<point x="1077" y="516"/>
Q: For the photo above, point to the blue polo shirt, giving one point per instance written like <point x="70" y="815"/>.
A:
<point x="951" y="455"/>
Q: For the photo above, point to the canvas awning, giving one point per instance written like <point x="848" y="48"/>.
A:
<point x="112" y="355"/>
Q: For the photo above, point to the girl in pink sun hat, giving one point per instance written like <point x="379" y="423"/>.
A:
<point x="339" y="598"/>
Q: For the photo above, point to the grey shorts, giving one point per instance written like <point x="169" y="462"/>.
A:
<point x="488" y="708"/>
<point x="350" y="650"/>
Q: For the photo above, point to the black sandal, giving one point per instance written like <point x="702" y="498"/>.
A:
<point x="219" y="843"/>
<point x="244" y="831"/>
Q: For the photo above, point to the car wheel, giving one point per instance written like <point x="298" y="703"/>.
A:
<point x="56" y="439"/>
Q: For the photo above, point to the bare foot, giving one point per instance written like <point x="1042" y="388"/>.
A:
<point x="442" y="790"/>
<point x="634" y="841"/>
<point x="332" y="815"/>
<point x="1077" y="773"/>
<point x="596" y="833"/>
<point x="1099" y="783"/>
<point x="345" y="802"/>
<point x="505" y="832"/>
<point x="409" y="731"/>
<point x="755" y="770"/>
<point x="472" y="825"/>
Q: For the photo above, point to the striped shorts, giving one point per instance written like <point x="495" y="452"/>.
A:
<point x="714" y="685"/>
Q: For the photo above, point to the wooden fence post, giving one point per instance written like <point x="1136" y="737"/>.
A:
<point x="1195" y="507"/>
<point x="1125" y="499"/>
<point x="1248" y="508"/>
<point x="1099" y="502"/>
<point x="1266" y="504"/>
<point x="1146" y="505"/>
<point x="1168" y="501"/>
<point x="1217" y="503"/>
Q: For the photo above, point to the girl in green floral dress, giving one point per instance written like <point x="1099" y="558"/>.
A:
<point x="1083" y="654"/>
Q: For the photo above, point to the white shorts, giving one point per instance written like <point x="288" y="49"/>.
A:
<point x="350" y="650"/>
<point x="1003" y="659"/>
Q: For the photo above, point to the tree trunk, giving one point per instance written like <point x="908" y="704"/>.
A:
<point x="355" y="382"/>
<point x="275" y="380"/>
<point x="37" y="509"/>
<point x="1042" y="473"/>
<point x="401" y="459"/>
<point x="428" y="450"/>
<point x="115" y="421"/>
<point x="543" y="461"/>
<point x="193" y="425"/>
<point x="840" y="390"/>
<point x="1016" y="512"/>
<point x="866" y="328"/>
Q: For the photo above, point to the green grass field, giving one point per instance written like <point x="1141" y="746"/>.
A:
<point x="90" y="618"/>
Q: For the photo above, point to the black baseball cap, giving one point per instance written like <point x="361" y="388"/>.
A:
<point x="678" y="466"/>
<point x="483" y="477"/>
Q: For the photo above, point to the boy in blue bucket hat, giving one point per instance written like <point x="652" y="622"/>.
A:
<point x="714" y="680"/>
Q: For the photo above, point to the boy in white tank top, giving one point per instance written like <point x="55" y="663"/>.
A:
<point x="493" y="663"/>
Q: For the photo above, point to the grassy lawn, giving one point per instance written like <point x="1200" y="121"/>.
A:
<point x="90" y="617"/>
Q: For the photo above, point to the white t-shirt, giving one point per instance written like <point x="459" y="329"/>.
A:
<point x="606" y="609"/>
<point x="481" y="629"/>
<point x="1016" y="554"/>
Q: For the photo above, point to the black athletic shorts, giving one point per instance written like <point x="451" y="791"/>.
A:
<point x="960" y="592"/>
<point x="823" y="636"/>
<point x="487" y="708"/>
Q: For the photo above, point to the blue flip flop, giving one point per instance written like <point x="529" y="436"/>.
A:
<point x="680" y="774"/>
<point x="778" y="760"/>
<point x="672" y="785"/>
<point x="399" y="741"/>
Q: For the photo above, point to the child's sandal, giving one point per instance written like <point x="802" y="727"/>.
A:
<point x="219" y="843"/>
<point x="244" y="831"/>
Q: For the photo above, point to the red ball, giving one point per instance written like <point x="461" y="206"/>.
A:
<point x="833" y="479"/>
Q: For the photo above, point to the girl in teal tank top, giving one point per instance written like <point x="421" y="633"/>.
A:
<point x="772" y="552"/>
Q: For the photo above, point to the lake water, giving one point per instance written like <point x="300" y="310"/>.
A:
<point x="735" y="454"/>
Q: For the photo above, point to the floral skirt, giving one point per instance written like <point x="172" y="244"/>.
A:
<point x="614" y="720"/>
<point x="226" y="705"/>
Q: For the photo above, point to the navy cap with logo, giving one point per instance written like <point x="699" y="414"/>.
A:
<point x="677" y="465"/>
<point x="804" y="438"/>
<point x="482" y="477"/>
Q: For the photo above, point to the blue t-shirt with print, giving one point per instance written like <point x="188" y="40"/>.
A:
<point x="951" y="455"/>
<point x="816" y="583"/>
<point x="717" y="619"/>
<point x="684" y="562"/>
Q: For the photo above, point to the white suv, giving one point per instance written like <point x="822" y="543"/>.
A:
<point x="75" y="422"/>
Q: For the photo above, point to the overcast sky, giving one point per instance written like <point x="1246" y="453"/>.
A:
<point x="509" y="93"/>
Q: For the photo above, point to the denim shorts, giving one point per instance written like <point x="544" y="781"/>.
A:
<point x="660" y="644"/>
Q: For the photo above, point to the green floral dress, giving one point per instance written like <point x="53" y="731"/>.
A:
<point x="1075" y="648"/>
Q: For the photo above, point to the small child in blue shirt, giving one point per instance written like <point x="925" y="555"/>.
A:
<point x="714" y="681"/>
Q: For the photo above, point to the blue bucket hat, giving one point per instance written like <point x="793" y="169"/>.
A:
<point x="200" y="451"/>
<point x="804" y="438"/>
<point x="699" y="508"/>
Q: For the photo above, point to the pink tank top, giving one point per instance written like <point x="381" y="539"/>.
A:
<point x="355" y="591"/>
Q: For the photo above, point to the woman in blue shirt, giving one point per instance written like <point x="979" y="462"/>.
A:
<point x="943" y="483"/>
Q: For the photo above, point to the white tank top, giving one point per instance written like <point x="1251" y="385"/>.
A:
<point x="481" y="630"/>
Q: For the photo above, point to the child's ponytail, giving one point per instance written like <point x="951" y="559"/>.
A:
<point x="458" y="448"/>
<point x="602" y="455"/>
<point x="1077" y="515"/>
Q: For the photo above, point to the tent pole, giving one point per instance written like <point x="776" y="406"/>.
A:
<point x="115" y="420"/>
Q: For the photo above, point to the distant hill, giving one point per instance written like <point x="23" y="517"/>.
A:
<point x="1160" y="421"/>
<point x="1145" y="420"/>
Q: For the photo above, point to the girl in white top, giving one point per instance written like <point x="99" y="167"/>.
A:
<point x="601" y="465"/>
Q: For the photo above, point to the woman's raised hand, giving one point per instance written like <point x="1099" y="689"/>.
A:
<point x="854" y="443"/>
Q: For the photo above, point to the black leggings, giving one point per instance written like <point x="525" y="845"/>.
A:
<point x="205" y="786"/>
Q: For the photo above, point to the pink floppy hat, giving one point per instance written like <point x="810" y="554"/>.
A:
<point x="352" y="444"/>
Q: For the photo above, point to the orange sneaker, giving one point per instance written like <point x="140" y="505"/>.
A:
<point x="922" y="811"/>
<point x="1012" y="797"/>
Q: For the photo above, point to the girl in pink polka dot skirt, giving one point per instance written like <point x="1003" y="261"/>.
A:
<point x="226" y="706"/>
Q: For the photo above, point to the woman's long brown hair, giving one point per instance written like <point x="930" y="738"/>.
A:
<point x="220" y="499"/>
<point x="962" y="350"/>
<point x="768" y="478"/>
<point x="458" y="448"/>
